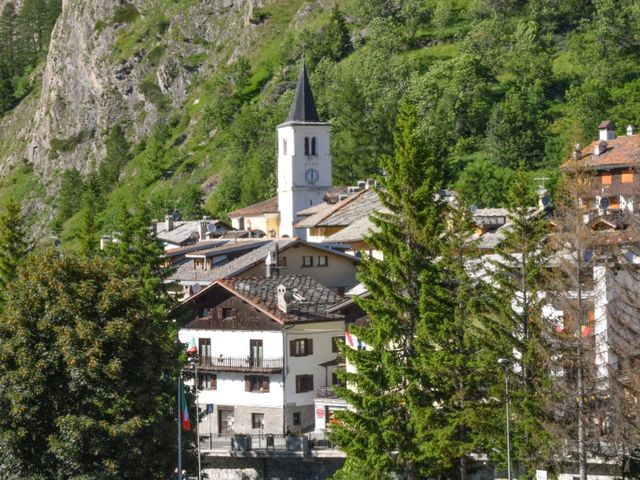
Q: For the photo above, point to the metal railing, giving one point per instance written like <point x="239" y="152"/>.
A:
<point x="261" y="441"/>
<point x="326" y="392"/>
<point x="241" y="364"/>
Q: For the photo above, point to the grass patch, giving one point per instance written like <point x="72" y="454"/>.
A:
<point x="152" y="92"/>
<point x="69" y="144"/>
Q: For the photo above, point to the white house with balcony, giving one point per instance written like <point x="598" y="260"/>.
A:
<point x="266" y="346"/>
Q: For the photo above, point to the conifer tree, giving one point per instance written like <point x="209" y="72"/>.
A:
<point x="8" y="37"/>
<point x="337" y="41"/>
<point x="463" y="365"/>
<point x="391" y="398"/>
<point x="518" y="324"/>
<point x="13" y="244"/>
<point x="116" y="158"/>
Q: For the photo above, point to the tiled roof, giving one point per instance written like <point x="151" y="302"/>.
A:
<point x="260" y="208"/>
<point x="203" y="245"/>
<point x="357" y="206"/>
<point x="621" y="151"/>
<point x="229" y="246"/>
<point x="182" y="232"/>
<point x="312" y="299"/>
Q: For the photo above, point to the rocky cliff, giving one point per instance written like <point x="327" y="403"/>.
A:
<point x="111" y="62"/>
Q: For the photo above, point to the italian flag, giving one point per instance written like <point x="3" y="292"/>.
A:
<point x="184" y="414"/>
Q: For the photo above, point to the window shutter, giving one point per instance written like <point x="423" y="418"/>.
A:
<point x="247" y="384"/>
<point x="309" y="346"/>
<point x="292" y="348"/>
<point x="214" y="382"/>
<point x="265" y="384"/>
<point x="298" y="382"/>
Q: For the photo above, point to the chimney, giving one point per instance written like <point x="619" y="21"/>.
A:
<point x="168" y="223"/>
<point x="285" y="297"/>
<point x="577" y="152"/>
<point x="601" y="147"/>
<point x="203" y="228"/>
<point x="631" y="130"/>
<point x="607" y="130"/>
<point x="104" y="240"/>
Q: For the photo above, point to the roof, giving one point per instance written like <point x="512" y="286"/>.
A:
<point x="356" y="232"/>
<point x="267" y="206"/>
<point x="606" y="124"/>
<point x="303" y="108"/>
<point x="229" y="246"/>
<point x="623" y="151"/>
<point x="184" y="231"/>
<point x="355" y="207"/>
<point x="186" y="273"/>
<point x="310" y="304"/>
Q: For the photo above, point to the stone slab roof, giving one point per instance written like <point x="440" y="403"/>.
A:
<point x="310" y="304"/>
<point x="344" y="213"/>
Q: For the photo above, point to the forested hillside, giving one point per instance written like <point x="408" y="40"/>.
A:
<point x="496" y="83"/>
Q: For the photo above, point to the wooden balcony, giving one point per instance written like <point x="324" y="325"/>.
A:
<point x="248" y="364"/>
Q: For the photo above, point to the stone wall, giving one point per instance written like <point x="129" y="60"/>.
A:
<point x="307" y="418"/>
<point x="270" y="468"/>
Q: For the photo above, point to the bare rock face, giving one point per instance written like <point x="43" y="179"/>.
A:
<point x="98" y="73"/>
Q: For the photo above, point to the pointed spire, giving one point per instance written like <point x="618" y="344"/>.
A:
<point x="303" y="108"/>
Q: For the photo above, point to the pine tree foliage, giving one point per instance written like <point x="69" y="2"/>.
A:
<point x="519" y="325"/>
<point x="387" y="392"/>
<point x="13" y="243"/>
<point x="87" y="369"/>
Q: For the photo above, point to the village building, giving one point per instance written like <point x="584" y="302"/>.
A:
<point x="180" y="233"/>
<point x="196" y="269"/>
<point x="265" y="346"/>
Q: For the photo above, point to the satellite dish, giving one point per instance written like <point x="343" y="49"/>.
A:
<point x="212" y="228"/>
<point x="604" y="203"/>
<point x="196" y="287"/>
<point x="176" y="215"/>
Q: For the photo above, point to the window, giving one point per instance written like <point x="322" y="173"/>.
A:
<point x="257" y="420"/>
<point x="336" y="342"/>
<point x="323" y="260"/>
<point x="627" y="177"/>
<point x="284" y="146"/>
<point x="301" y="347"/>
<point x="282" y="261"/>
<point x="334" y="379"/>
<point x="207" y="381"/>
<point x="204" y="350"/>
<point x="306" y="145"/>
<point x="606" y="178"/>
<point x="304" y="383"/>
<point x="296" y="418"/>
<point x="228" y="313"/>
<point x="307" y="261"/>
<point x="256" y="383"/>
<point x="313" y="145"/>
<point x="614" y="202"/>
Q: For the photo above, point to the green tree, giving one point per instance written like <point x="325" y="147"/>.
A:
<point x="517" y="128"/>
<point x="13" y="243"/>
<point x="337" y="40"/>
<point x="390" y="396"/>
<point x="485" y="184"/>
<point x="71" y="187"/>
<point x="8" y="36"/>
<point x="88" y="230"/>
<point x="87" y="375"/>
<point x="118" y="154"/>
<point x="518" y="324"/>
<point x="7" y="100"/>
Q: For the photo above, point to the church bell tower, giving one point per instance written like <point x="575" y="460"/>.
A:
<point x="304" y="158"/>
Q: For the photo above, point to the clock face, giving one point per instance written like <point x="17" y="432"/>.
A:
<point x="311" y="176"/>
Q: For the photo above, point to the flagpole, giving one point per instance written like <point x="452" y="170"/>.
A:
<point x="179" y="425"/>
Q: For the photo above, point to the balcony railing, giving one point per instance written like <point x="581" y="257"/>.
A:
<point x="326" y="392"/>
<point x="222" y="363"/>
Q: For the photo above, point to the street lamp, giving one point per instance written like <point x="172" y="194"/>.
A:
<point x="505" y="362"/>
<point x="194" y="361"/>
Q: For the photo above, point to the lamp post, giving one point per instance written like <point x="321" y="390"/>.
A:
<point x="505" y="362"/>
<point x="195" y="360"/>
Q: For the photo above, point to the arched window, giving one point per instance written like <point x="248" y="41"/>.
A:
<point x="313" y="145"/>
<point x="306" y="146"/>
